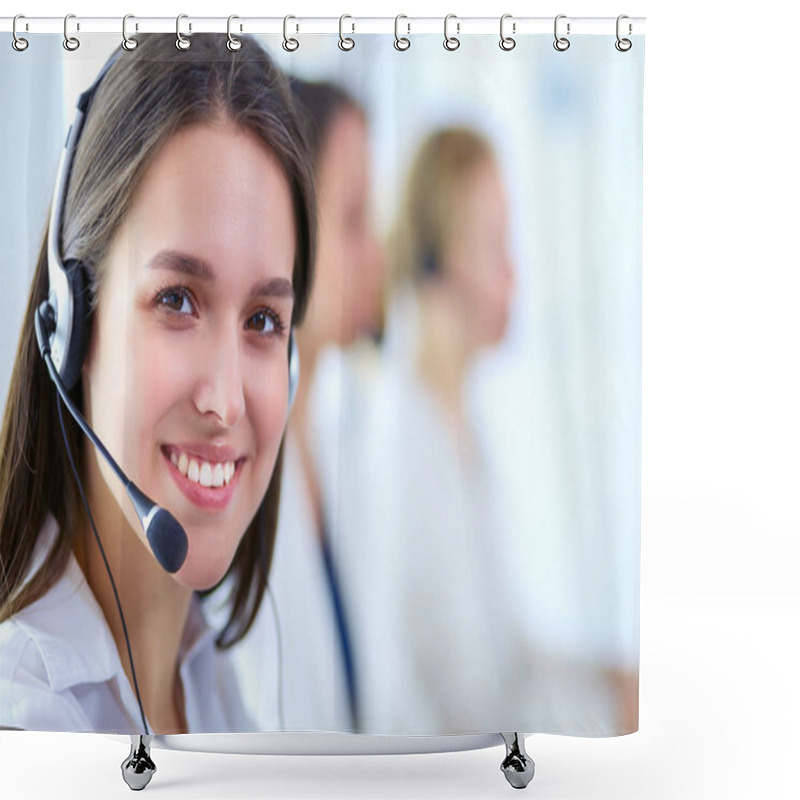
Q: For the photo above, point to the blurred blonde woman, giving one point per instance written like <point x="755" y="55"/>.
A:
<point x="423" y="580"/>
<point x="440" y="639"/>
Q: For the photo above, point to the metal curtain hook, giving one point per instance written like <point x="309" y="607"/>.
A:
<point x="623" y="45"/>
<point x="506" y="42"/>
<point x="345" y="43"/>
<point x="400" y="42"/>
<point x="290" y="45"/>
<point x="18" y="43"/>
<point x="233" y="44"/>
<point x="128" y="42"/>
<point x="182" y="43"/>
<point x="451" y="42"/>
<point x="560" y="43"/>
<point x="70" y="42"/>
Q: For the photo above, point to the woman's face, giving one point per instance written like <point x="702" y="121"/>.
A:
<point x="477" y="259"/>
<point x="345" y="303"/>
<point x="186" y="378"/>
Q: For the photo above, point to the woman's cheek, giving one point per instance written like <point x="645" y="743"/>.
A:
<point x="112" y="385"/>
<point x="267" y="403"/>
<point x="160" y="381"/>
<point x="162" y="363"/>
<point x="166" y="371"/>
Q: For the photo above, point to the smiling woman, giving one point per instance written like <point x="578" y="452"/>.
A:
<point x="188" y="222"/>
<point x="216" y="191"/>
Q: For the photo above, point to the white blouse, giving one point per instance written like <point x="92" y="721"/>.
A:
<point x="60" y="669"/>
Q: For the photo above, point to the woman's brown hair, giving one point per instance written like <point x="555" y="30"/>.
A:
<point x="147" y="95"/>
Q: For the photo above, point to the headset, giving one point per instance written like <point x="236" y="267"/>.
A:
<point x="430" y="267"/>
<point x="62" y="325"/>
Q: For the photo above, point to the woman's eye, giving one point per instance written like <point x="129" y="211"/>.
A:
<point x="265" y="322"/>
<point x="260" y="320"/>
<point x="176" y="300"/>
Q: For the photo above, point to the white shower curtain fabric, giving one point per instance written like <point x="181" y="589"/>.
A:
<point x="456" y="544"/>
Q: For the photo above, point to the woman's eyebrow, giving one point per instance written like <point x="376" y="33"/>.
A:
<point x="198" y="268"/>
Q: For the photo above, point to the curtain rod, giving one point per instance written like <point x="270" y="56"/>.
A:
<point x="300" y="25"/>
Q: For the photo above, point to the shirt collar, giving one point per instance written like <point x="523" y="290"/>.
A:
<point x="70" y="630"/>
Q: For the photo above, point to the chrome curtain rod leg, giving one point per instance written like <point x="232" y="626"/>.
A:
<point x="517" y="766"/>
<point x="138" y="768"/>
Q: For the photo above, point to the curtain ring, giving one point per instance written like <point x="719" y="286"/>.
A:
<point x="128" y="42"/>
<point x="290" y="45"/>
<point x="70" y="42"/>
<point x="233" y="44"/>
<point x="18" y="43"/>
<point x="623" y="45"/>
<point x="182" y="43"/>
<point x="561" y="44"/>
<point x="345" y="43"/>
<point x="506" y="42"/>
<point x="451" y="42"/>
<point x="400" y="42"/>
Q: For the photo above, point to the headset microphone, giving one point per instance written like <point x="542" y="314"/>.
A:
<point x="167" y="538"/>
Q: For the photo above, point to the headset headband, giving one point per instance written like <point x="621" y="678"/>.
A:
<point x="68" y="281"/>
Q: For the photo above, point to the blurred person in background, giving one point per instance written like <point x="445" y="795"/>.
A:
<point x="422" y="580"/>
<point x="441" y="639"/>
<point x="426" y="548"/>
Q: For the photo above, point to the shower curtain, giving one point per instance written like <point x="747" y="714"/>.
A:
<point x="456" y="542"/>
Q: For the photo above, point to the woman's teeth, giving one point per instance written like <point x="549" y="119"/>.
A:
<point x="203" y="472"/>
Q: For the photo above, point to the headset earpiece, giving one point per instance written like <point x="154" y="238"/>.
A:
<point x="77" y="338"/>
<point x="430" y="263"/>
<point x="294" y="370"/>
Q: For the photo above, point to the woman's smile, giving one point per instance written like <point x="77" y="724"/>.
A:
<point x="208" y="484"/>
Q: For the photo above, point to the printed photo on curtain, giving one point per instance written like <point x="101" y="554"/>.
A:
<point x="320" y="373"/>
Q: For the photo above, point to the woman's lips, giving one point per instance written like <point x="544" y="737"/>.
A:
<point x="209" y="498"/>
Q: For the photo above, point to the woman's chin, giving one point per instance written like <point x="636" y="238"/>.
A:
<point x="201" y="574"/>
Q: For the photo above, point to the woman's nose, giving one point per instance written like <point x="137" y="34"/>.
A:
<point x="220" y="390"/>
